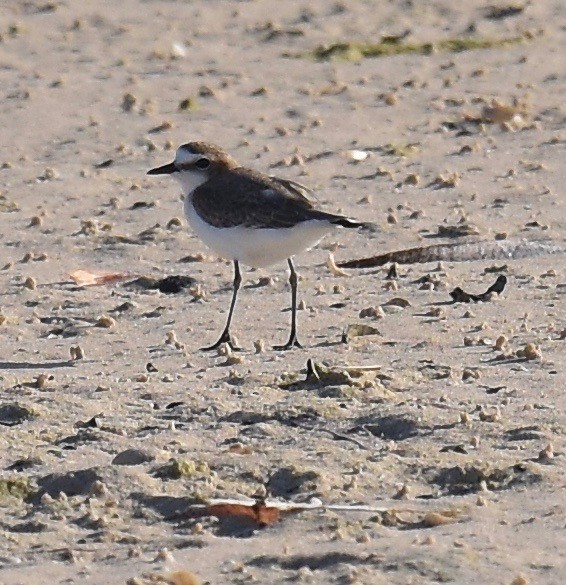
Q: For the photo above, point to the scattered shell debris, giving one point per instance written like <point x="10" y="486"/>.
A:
<point x="407" y="422"/>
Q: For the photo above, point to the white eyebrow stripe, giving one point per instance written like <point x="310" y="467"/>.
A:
<point x="184" y="157"/>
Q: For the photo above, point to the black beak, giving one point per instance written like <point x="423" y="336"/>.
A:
<point x="164" y="170"/>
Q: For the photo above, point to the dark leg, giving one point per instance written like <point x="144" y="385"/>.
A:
<point x="293" y="341"/>
<point x="226" y="337"/>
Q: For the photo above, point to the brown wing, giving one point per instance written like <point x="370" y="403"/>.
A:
<point x="252" y="199"/>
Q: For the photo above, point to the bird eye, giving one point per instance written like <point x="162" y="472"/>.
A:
<point x="202" y="163"/>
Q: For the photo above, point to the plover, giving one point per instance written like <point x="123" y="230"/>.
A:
<point x="247" y="217"/>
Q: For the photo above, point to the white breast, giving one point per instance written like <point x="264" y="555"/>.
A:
<point x="257" y="247"/>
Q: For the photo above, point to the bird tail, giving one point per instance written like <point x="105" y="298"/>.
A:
<point x="350" y="223"/>
<point x="345" y="222"/>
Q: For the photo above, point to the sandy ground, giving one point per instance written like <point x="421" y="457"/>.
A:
<point x="459" y="440"/>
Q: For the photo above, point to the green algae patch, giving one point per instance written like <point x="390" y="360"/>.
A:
<point x="19" y="489"/>
<point x="355" y="51"/>
<point x="178" y="468"/>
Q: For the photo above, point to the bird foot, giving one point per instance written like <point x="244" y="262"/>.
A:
<point x="224" y="338"/>
<point x="293" y="342"/>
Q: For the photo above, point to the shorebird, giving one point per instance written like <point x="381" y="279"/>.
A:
<point x="247" y="217"/>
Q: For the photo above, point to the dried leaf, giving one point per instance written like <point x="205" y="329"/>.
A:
<point x="259" y="513"/>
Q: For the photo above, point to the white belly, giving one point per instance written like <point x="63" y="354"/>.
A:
<point x="257" y="247"/>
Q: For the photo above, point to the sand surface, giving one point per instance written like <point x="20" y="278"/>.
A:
<point x="452" y="441"/>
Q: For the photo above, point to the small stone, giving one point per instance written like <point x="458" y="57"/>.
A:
<point x="128" y="102"/>
<point x="47" y="499"/>
<point x="429" y="540"/>
<point x="403" y="493"/>
<point x="49" y="174"/>
<point x="76" y="352"/>
<point x="372" y="312"/>
<point x="132" y="457"/>
<point x="106" y="322"/>
<point x="500" y="342"/>
<point x="188" y="105"/>
<point x="392" y="219"/>
<point x="412" y="179"/>
<point x="465" y="418"/>
<point x="234" y="359"/>
<point x="494" y="416"/>
<point x="41" y="381"/>
<point x="391" y="99"/>
<point x="475" y="441"/>
<point x="259" y="346"/>
<point x="432" y="519"/>
<point x="185" y="578"/>
<point x="547" y="453"/>
<point x="520" y="580"/>
<point x="134" y="553"/>
<point x="30" y="283"/>
<point x="35" y="221"/>
<point x="165" y="555"/>
<point x="99" y="488"/>
<point x="470" y="374"/>
<point x="529" y="352"/>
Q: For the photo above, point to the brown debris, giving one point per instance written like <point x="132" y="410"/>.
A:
<point x="460" y="296"/>
<point x="459" y="252"/>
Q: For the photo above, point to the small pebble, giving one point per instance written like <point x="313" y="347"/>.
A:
<point x="76" y="352"/>
<point x="259" y="346"/>
<point x="134" y="553"/>
<point x="165" y="555"/>
<point x="391" y="285"/>
<point x="403" y="493"/>
<point x="500" y="342"/>
<point x="30" y="282"/>
<point x="529" y="352"/>
<point x="99" y="488"/>
<point x="128" y="102"/>
<point x="391" y="99"/>
<point x="372" y="312"/>
<point x="547" y="453"/>
<point x="106" y="322"/>
<point x="41" y="381"/>
<point x="392" y="219"/>
<point x="465" y="418"/>
<point x="494" y="416"/>
<point x="412" y="179"/>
